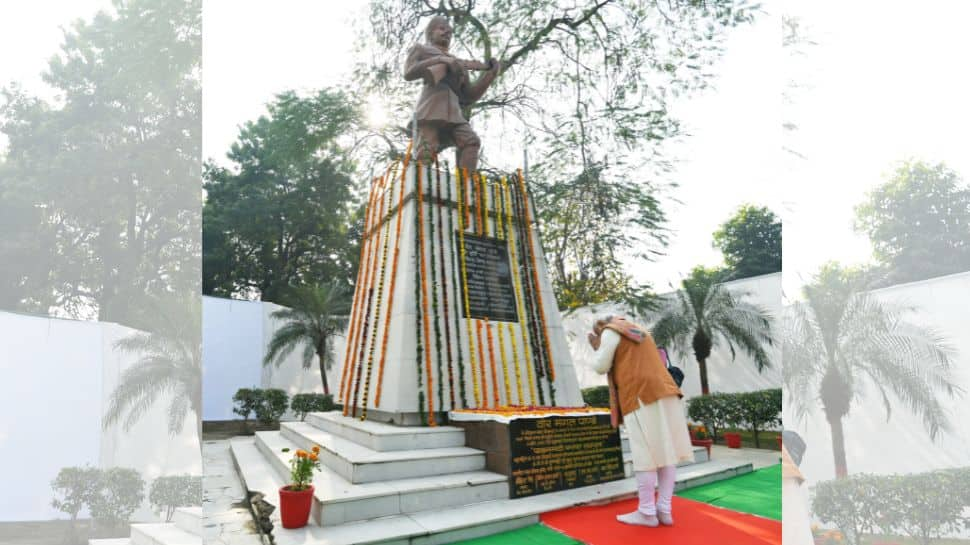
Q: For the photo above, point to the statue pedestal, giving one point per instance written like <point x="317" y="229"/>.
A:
<point x="546" y="451"/>
<point x="454" y="308"/>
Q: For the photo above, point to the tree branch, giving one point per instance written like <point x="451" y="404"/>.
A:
<point x="568" y="22"/>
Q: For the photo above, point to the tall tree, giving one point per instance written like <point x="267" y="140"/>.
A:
<point x="918" y="222"/>
<point x="317" y="315"/>
<point x="750" y="242"/>
<point x="586" y="85"/>
<point x="279" y="218"/>
<point x="703" y="314"/>
<point x="107" y="175"/>
<point x="841" y="340"/>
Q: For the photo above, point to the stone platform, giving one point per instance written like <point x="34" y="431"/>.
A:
<point x="387" y="484"/>
<point x="185" y="529"/>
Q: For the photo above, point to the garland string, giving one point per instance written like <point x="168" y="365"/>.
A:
<point x="435" y="311"/>
<point x="453" y="240"/>
<point x="424" y="304"/>
<point x="390" y="291"/>
<point x="419" y="319"/>
<point x="481" y="358"/>
<point x="463" y="174"/>
<point x="491" y="363"/>
<point x="444" y="211"/>
<point x="517" y="281"/>
<point x="505" y="363"/>
<point x="529" y="294"/>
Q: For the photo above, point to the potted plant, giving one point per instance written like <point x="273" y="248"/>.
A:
<point x="733" y="439"/>
<point x="700" y="438"/>
<point x="297" y="497"/>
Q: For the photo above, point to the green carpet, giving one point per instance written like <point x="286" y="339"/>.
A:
<point x="758" y="493"/>
<point x="537" y="534"/>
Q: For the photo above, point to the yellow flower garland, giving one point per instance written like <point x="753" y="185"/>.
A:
<point x="517" y="281"/>
<point x="505" y="363"/>
<point x="481" y="357"/>
<point x="424" y="299"/>
<point x="491" y="362"/>
<point x="544" y="332"/>
<point x="461" y="178"/>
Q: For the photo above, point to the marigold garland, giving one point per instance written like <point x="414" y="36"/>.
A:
<point x="380" y="297"/>
<point x="517" y="282"/>
<point x="435" y="313"/>
<point x="424" y="303"/>
<point x="443" y="211"/>
<point x="463" y="174"/>
<point x="491" y="362"/>
<point x="453" y="240"/>
<point x="529" y="410"/>
<point x="358" y="291"/>
<point x="534" y="342"/>
<point x="481" y="358"/>
<point x="535" y="277"/>
<point x="499" y="211"/>
<point x="365" y="332"/>
<point x="483" y="226"/>
<point x="505" y="363"/>
<point x="390" y="291"/>
<point x="518" y="371"/>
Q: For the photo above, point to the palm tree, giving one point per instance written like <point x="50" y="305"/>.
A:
<point x="839" y="336"/>
<point x="704" y="314"/>
<point x="169" y="362"/>
<point x="317" y="314"/>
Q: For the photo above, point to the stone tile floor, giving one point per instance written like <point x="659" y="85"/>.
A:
<point x="227" y="519"/>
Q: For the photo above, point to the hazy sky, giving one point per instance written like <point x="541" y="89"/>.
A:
<point x="884" y="83"/>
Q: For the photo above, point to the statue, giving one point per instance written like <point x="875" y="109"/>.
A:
<point x="447" y="89"/>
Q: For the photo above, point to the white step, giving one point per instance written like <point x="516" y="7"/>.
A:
<point x="256" y="473"/>
<point x="110" y="541"/>
<point x="386" y="437"/>
<point x="189" y="519"/>
<point x="162" y="534"/>
<point x="338" y="501"/>
<point x="438" y="527"/>
<point x="360" y="464"/>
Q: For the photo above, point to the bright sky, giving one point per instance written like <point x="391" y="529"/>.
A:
<point x="884" y="84"/>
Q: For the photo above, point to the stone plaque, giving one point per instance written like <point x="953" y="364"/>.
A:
<point x="562" y="452"/>
<point x="490" y="290"/>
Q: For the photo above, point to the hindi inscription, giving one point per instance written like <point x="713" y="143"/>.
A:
<point x="489" y="280"/>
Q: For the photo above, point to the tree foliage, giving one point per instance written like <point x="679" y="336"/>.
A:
<point x="100" y="186"/>
<point x="918" y="222"/>
<point x="751" y="242"/>
<point x="279" y="218"/>
<point x="586" y="85"/>
<point x="172" y="491"/>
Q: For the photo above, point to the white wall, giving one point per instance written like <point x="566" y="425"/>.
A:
<point x="902" y="445"/>
<point x="58" y="376"/>
<point x="235" y="335"/>
<point x="724" y="373"/>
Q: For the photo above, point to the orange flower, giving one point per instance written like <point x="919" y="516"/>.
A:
<point x="313" y="456"/>
<point x="316" y="449"/>
<point x="301" y="453"/>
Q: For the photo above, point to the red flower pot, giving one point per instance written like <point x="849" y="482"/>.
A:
<point x="295" y="506"/>
<point x="706" y="443"/>
<point x="779" y="442"/>
<point x="733" y="439"/>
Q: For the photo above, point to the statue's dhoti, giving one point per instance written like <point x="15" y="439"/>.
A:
<point x="433" y="137"/>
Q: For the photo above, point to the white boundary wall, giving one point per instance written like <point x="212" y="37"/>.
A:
<point x="58" y="376"/>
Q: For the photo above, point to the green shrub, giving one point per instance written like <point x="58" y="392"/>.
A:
<point x="597" y="396"/>
<point x="304" y="404"/>
<point x="73" y="489"/>
<point x="924" y="506"/>
<point x="173" y="491"/>
<point x="757" y="410"/>
<point x="246" y="400"/>
<point x="271" y="406"/>
<point x="120" y="492"/>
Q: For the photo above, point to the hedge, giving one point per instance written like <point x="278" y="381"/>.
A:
<point x="747" y="410"/>
<point x="597" y="396"/>
<point x="303" y="404"/>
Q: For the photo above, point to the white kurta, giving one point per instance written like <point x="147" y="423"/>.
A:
<point x="657" y="431"/>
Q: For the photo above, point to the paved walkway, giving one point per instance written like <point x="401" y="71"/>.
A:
<point x="227" y="520"/>
<point x="759" y="458"/>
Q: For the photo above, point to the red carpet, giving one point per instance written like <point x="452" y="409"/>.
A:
<point x="695" y="524"/>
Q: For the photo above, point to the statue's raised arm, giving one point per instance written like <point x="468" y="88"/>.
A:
<point x="446" y="90"/>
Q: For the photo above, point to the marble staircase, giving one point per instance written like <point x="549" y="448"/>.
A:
<point x="185" y="529"/>
<point x="382" y="483"/>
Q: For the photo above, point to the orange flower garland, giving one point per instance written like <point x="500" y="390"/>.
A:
<point x="358" y="291"/>
<point x="365" y="332"/>
<point x="424" y="299"/>
<point x="444" y="214"/>
<point x="505" y="363"/>
<point x="528" y="410"/>
<point x="491" y="361"/>
<point x="380" y="296"/>
<point x="535" y="276"/>
<point x="390" y="291"/>
<point x="517" y="281"/>
<point x="481" y="358"/>
<point x="463" y="175"/>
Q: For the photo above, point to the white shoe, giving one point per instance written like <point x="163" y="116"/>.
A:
<point x="665" y="518"/>
<point x="639" y="519"/>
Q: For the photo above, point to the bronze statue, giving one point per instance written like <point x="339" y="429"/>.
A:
<point x="447" y="89"/>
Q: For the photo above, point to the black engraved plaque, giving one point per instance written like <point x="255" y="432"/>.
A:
<point x="562" y="452"/>
<point x="489" y="279"/>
